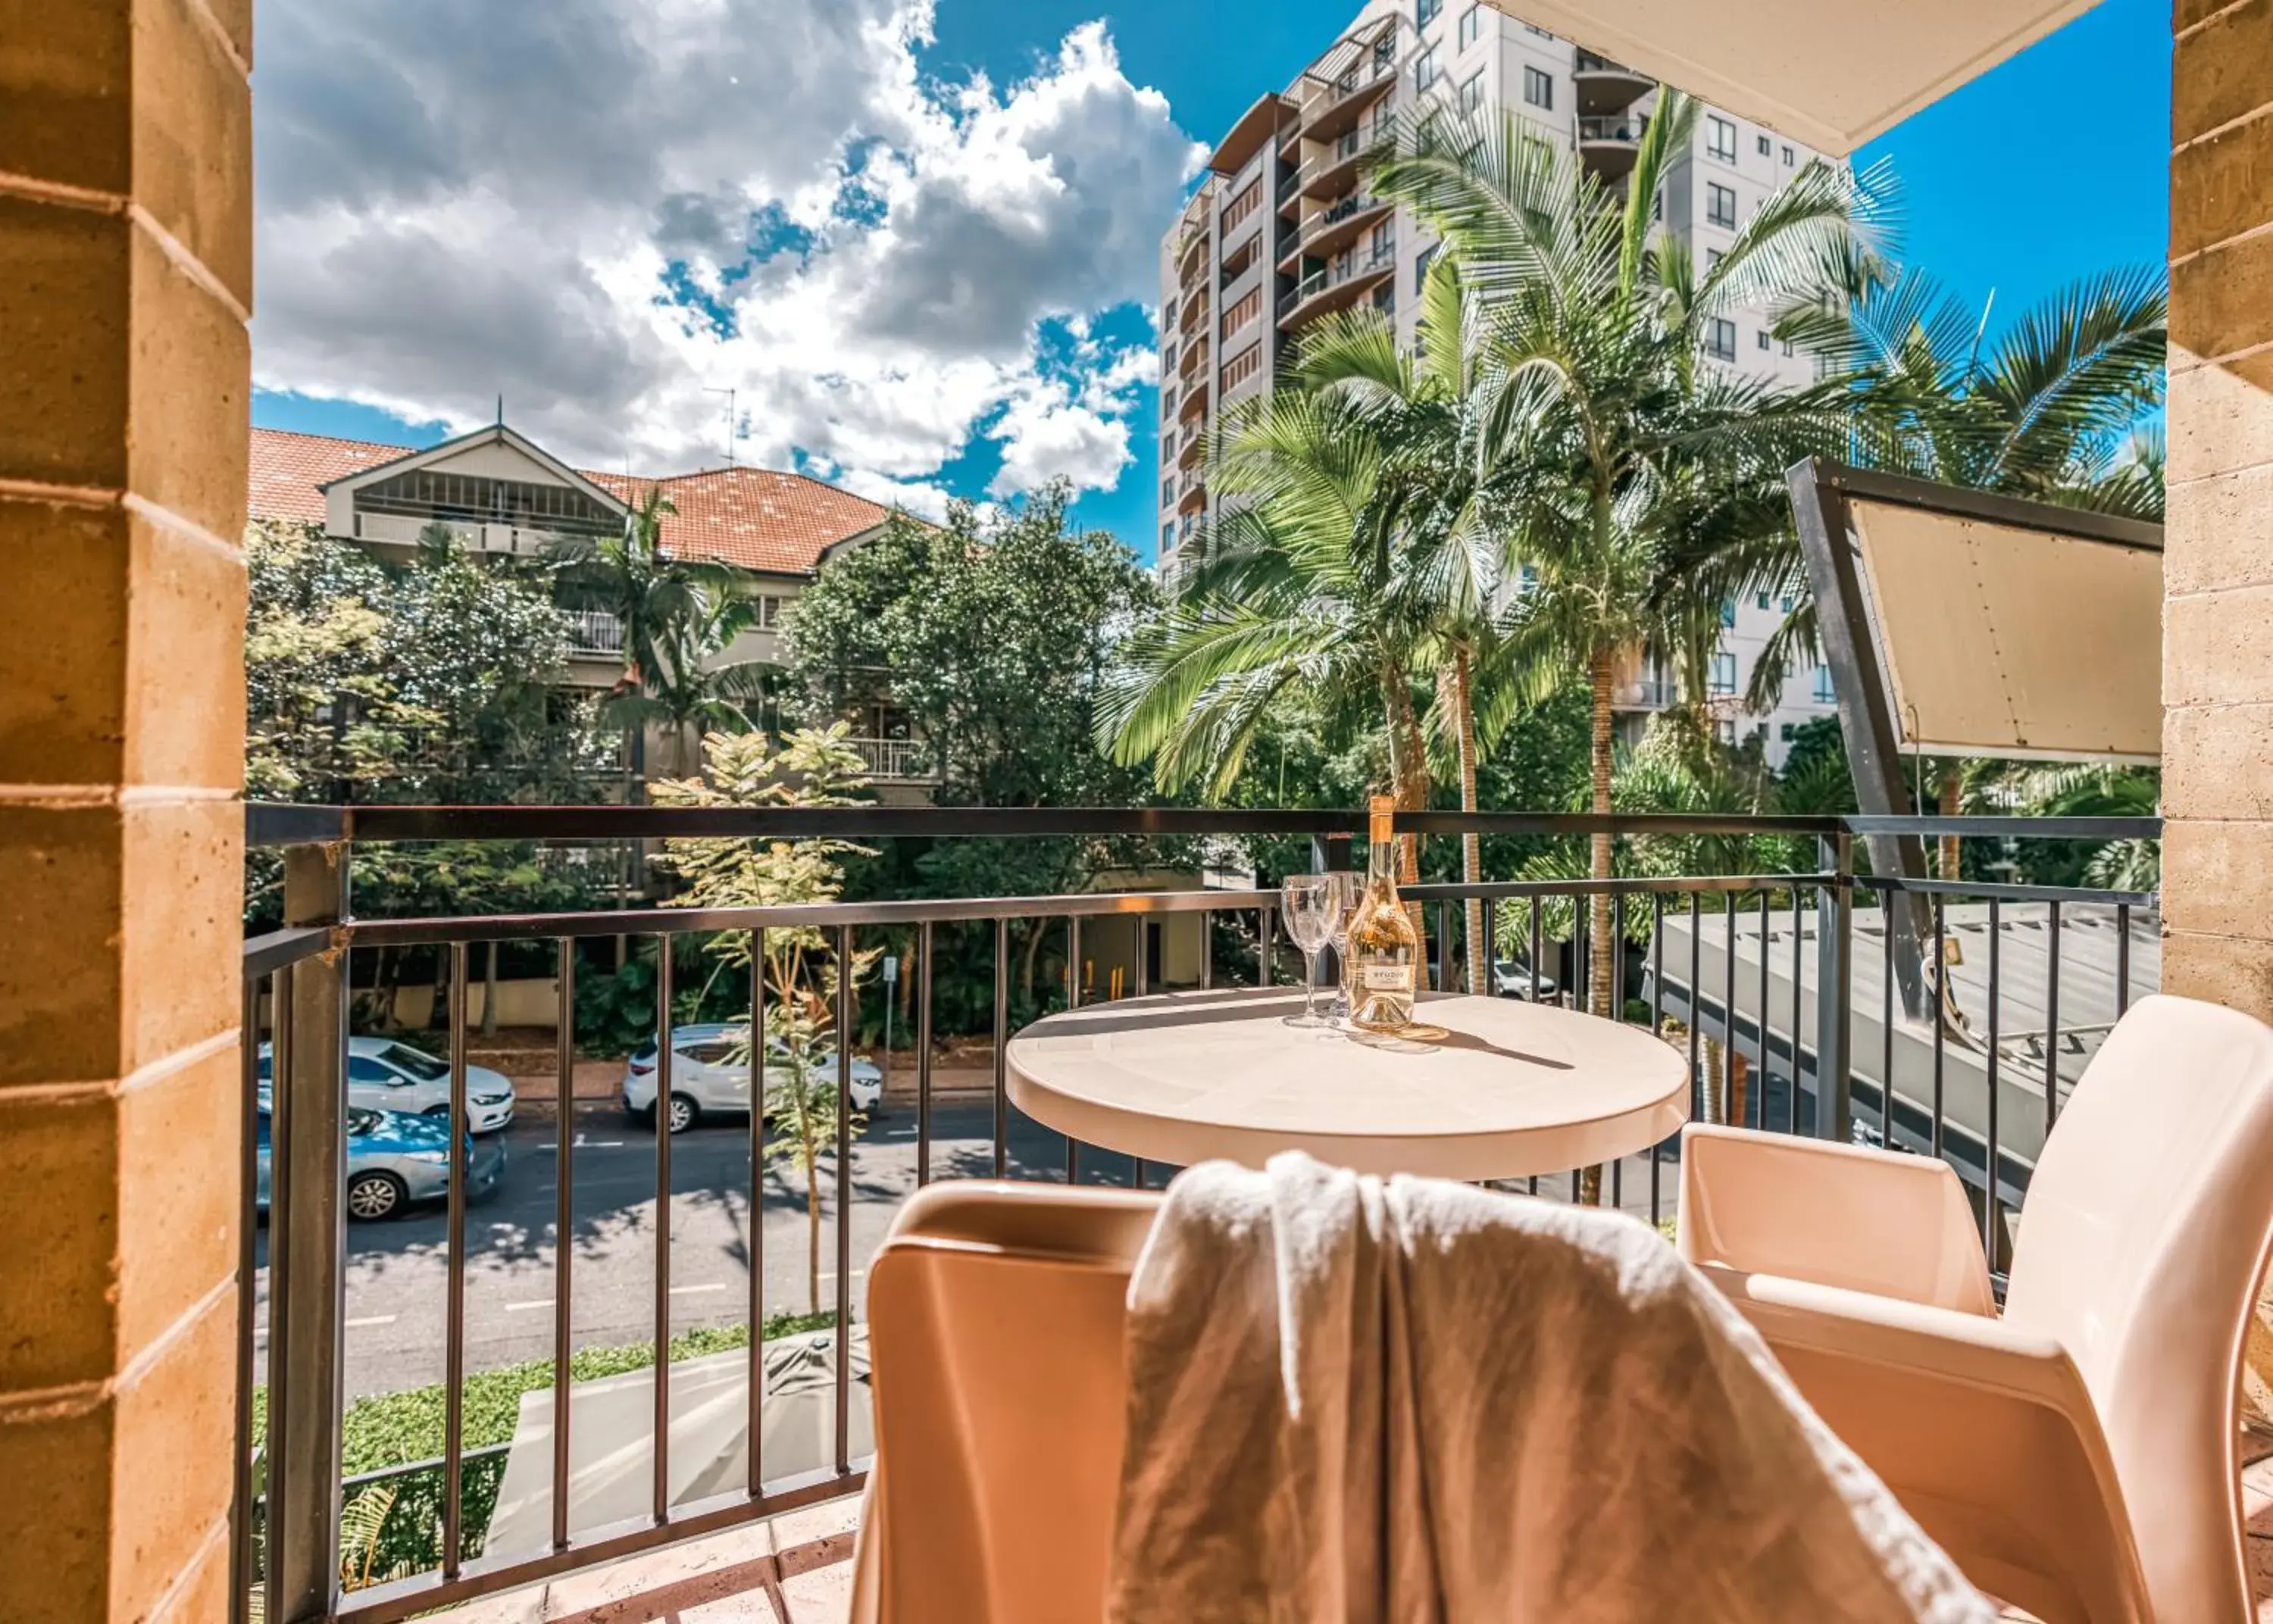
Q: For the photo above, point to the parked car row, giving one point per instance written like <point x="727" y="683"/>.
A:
<point x="385" y="1073"/>
<point x="710" y="1074"/>
<point x="395" y="1158"/>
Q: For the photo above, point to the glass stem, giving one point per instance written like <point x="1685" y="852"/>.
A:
<point x="1309" y="984"/>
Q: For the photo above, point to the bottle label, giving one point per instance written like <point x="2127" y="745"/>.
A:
<point x="1386" y="978"/>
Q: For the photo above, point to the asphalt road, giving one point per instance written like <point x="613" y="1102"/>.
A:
<point x="398" y="1275"/>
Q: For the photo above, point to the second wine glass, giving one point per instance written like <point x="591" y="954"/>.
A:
<point x="1312" y="904"/>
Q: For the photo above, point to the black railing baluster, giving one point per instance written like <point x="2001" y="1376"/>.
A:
<point x="1798" y="1004"/>
<point x="248" y="1210"/>
<point x="1073" y="1001"/>
<point x="663" y="994"/>
<point x="1657" y="1030"/>
<point x="1207" y="950"/>
<point x="1989" y="1206"/>
<point x="1618" y="1008"/>
<point x="1266" y="945"/>
<point x="753" y="1380"/>
<point x="1696" y="1004"/>
<point x="454" y="1309"/>
<point x="1760" y="1111"/>
<point x="923" y="1053"/>
<point x="1943" y="1003"/>
<point x="1444" y="960"/>
<point x="1490" y="951"/>
<point x="1002" y="1047"/>
<point x="1886" y="1022"/>
<point x="1729" y="1112"/>
<point x="564" y="1227"/>
<point x="2051" y="1017"/>
<point x="847" y="991"/>
<point x="2122" y="960"/>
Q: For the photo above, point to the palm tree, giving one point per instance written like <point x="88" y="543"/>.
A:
<point x="1612" y="440"/>
<point x="2051" y="411"/>
<point x="1449" y="571"/>
<point x="676" y="615"/>
<point x="1291" y="587"/>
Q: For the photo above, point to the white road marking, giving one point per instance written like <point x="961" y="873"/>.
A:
<point x="542" y="1302"/>
<point x="714" y="1285"/>
<point x="376" y="1319"/>
<point x="582" y="1143"/>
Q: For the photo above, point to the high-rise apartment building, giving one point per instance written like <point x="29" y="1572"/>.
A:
<point x="1283" y="231"/>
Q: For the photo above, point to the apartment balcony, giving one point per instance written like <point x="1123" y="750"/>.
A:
<point x="1191" y="445"/>
<point x="1608" y="147"/>
<point x="1337" y="108"/>
<point x="1191" y="490"/>
<point x="1196" y="392"/>
<point x="1194" y="359"/>
<point x="475" y="535"/>
<point x="896" y="760"/>
<point x="594" y="634"/>
<point x="1337" y="286"/>
<point x="1604" y="88"/>
<point x="708" y="1482"/>
<point x="1334" y="227"/>
<point x="1330" y="173"/>
<point x="1197" y="307"/>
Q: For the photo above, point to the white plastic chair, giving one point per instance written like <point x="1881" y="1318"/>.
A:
<point x="2075" y="1455"/>
<point x="997" y="1314"/>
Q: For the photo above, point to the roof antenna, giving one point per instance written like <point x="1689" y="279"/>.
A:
<point x="500" y="417"/>
<point x="733" y="421"/>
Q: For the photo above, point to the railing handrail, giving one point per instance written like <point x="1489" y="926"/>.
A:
<point x="280" y="823"/>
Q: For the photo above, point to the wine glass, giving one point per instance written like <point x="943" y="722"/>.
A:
<point x="1311" y="904"/>
<point x="1349" y="887"/>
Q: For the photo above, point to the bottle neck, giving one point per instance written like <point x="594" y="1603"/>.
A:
<point x="1380" y="860"/>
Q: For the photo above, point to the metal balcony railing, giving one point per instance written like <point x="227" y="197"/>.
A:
<point x="1816" y="1000"/>
<point x="594" y="631"/>
<point x="895" y="760"/>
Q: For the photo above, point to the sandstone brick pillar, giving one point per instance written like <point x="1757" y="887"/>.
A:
<point x="125" y="273"/>
<point x="2217" y="611"/>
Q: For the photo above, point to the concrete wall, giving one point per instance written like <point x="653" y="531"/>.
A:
<point x="125" y="279"/>
<point x="2218" y="615"/>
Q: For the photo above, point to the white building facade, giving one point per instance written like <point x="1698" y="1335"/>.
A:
<point x="1283" y="231"/>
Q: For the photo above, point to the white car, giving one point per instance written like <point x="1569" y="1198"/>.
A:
<point x="706" y="1075"/>
<point x="384" y="1073"/>
<point x="1512" y="978"/>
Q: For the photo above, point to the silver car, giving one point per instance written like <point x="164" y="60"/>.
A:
<point x="707" y="1076"/>
<point x="385" y="1073"/>
<point x="395" y="1159"/>
<point x="1512" y="978"/>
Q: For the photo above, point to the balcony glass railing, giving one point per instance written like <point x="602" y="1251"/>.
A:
<point x="1381" y="256"/>
<point x="1808" y="998"/>
<point x="1626" y="129"/>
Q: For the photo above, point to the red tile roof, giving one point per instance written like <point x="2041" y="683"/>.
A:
<point x="755" y="518"/>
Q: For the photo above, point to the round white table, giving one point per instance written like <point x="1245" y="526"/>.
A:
<point x="1513" y="1088"/>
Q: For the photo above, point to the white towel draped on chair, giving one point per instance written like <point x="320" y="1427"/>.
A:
<point x="1352" y="1400"/>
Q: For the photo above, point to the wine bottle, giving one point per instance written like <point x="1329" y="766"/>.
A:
<point x="1385" y="948"/>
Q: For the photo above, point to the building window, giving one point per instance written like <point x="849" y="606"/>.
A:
<point x="1761" y="599"/>
<point x="1713" y="258"/>
<point x="1425" y="70"/>
<point x="1787" y="157"/>
<point x="1471" y="93"/>
<point x="1539" y="87"/>
<point x="1244" y="310"/>
<point x="1725" y="675"/>
<point x="1786" y="730"/>
<point x="1728" y="612"/>
<point x="1168" y="537"/>
<point x="1427" y="11"/>
<point x="1240" y="207"/>
<point x="1242" y="366"/>
<point x="769" y="611"/>
<point x="1720" y="204"/>
<point x="1421" y="261"/>
<point x="1167" y="489"/>
<point x="1721" y="344"/>
<point x="1825" y="694"/>
<point x="1472" y="25"/>
<point x="1765" y="339"/>
<point x="1766" y="146"/>
<point x="1787" y="349"/>
<point x="1721" y="139"/>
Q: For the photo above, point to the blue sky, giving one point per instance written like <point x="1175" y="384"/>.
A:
<point x="2052" y="167"/>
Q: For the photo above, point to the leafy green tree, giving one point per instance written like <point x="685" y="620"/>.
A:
<point x="801" y="970"/>
<point x="991" y="635"/>
<point x="1616" y="440"/>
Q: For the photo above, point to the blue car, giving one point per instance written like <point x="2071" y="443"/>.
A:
<point x="393" y="1159"/>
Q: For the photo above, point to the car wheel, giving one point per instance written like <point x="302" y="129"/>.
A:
<point x="684" y="1113"/>
<point x="374" y="1195"/>
<point x="436" y="1111"/>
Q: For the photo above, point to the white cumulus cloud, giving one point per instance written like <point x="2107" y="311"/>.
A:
<point x="603" y="209"/>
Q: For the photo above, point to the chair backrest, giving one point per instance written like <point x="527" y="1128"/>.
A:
<point x="2144" y="1233"/>
<point x="996" y="1322"/>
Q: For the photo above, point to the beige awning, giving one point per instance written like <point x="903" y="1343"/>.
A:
<point x="1997" y="640"/>
<point x="1832" y="73"/>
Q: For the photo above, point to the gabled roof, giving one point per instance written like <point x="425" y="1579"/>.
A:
<point x="757" y="519"/>
<point x="492" y="434"/>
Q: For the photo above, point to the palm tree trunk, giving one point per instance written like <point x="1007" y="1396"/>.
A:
<point x="1952" y="790"/>
<point x="1480" y="951"/>
<point x="1599" y="992"/>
